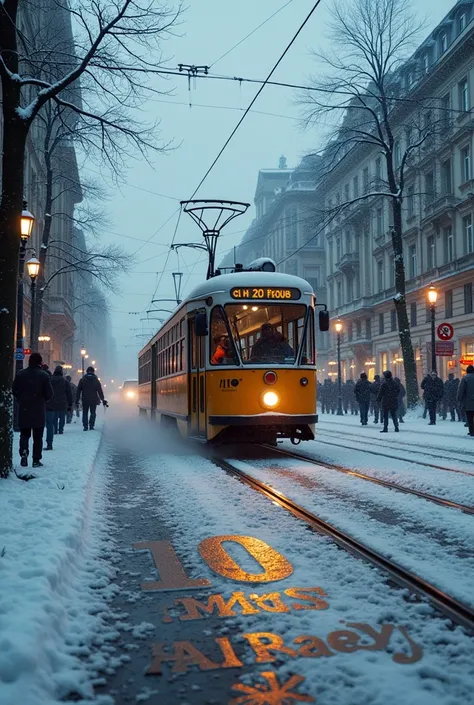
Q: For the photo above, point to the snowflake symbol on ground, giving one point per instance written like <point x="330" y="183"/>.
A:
<point x="273" y="694"/>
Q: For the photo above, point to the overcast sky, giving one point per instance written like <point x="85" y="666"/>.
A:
<point x="210" y="28"/>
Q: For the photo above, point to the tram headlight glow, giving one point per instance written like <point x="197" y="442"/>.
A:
<point x="130" y="394"/>
<point x="270" y="399"/>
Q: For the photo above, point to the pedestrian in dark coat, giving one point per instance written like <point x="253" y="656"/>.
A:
<point x="73" y="393"/>
<point x="32" y="389"/>
<point x="401" y="409"/>
<point x="57" y="407"/>
<point x="362" y="394"/>
<point x="451" y="387"/>
<point x="433" y="390"/>
<point x="91" y="390"/>
<point x="465" y="397"/>
<point x="374" y="391"/>
<point x="388" y="399"/>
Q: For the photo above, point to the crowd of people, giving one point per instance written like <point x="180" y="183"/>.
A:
<point x="384" y="398"/>
<point x="47" y="400"/>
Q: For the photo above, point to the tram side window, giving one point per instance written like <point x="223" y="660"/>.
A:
<point x="222" y="350"/>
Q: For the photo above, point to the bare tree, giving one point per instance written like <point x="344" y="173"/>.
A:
<point x="366" y="107"/>
<point x="115" y="50"/>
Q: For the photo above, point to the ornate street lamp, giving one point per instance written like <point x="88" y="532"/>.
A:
<point x="338" y="327"/>
<point x="33" y="267"/>
<point x="432" y="298"/>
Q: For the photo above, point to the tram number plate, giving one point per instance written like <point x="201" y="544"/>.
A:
<point x="268" y="292"/>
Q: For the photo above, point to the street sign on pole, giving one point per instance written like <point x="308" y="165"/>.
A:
<point x="19" y="355"/>
<point x="445" y="331"/>
<point x="444" y="348"/>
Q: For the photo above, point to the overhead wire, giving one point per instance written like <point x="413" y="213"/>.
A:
<point x="250" y="33"/>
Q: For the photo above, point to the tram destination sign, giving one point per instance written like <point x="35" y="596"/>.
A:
<point x="268" y="292"/>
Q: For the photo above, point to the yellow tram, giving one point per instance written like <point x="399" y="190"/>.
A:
<point x="236" y="361"/>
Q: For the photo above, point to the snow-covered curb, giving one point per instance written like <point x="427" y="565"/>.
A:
<point x="53" y="576"/>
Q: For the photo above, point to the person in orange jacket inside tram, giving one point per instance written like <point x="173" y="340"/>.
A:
<point x="221" y="351"/>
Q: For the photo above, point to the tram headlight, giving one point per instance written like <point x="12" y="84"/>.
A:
<point x="270" y="399"/>
<point x="130" y="394"/>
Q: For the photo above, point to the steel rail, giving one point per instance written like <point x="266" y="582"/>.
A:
<point x="466" y="508"/>
<point x="456" y="611"/>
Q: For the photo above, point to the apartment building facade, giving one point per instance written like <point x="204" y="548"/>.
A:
<point x="438" y="216"/>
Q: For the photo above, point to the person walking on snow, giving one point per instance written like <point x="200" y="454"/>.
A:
<point x="374" y="392"/>
<point x="57" y="407"/>
<point x="388" y="399"/>
<point x="401" y="410"/>
<point x="32" y="389"/>
<point x="465" y="397"/>
<point x="451" y="387"/>
<point x="362" y="394"/>
<point x="91" y="390"/>
<point x="433" y="390"/>
<point x="73" y="393"/>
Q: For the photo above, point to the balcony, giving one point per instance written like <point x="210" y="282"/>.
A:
<point x="349" y="262"/>
<point x="439" y="208"/>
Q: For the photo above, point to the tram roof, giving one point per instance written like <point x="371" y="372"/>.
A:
<point x="225" y="282"/>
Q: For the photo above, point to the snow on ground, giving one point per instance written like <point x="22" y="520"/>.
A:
<point x="54" y="580"/>
<point x="203" y="501"/>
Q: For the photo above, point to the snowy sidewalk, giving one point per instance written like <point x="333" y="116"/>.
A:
<point x="49" y="560"/>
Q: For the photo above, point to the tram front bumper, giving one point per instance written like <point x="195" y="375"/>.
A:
<point x="266" y="419"/>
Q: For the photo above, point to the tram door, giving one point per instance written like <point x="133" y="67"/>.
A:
<point x="197" y="381"/>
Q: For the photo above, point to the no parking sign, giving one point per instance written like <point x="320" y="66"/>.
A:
<point x="445" y="331"/>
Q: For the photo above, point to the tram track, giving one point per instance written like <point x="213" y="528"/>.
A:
<point x="456" y="611"/>
<point x="413" y="448"/>
<point x="466" y="508"/>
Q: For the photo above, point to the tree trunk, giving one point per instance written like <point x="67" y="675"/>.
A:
<point x="409" y="362"/>
<point x="14" y="139"/>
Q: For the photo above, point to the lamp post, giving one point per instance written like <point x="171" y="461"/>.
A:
<point x="26" y="226"/>
<point x="83" y="354"/>
<point x="33" y="267"/>
<point x="432" y="298"/>
<point x="338" y="327"/>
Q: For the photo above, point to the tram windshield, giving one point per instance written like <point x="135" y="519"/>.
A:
<point x="266" y="333"/>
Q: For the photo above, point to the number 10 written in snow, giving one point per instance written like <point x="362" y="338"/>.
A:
<point x="172" y="575"/>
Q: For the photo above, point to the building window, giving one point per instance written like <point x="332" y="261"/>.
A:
<point x="393" y="320"/>
<point x="368" y="328"/>
<point x="413" y="321"/>
<point x="338" y="249"/>
<point x="380" y="275"/>
<point x="463" y="88"/>
<point x="397" y="152"/>
<point x="443" y="43"/>
<point x="411" y="201"/>
<point x="468" y="234"/>
<point x="381" y="324"/>
<point x="448" y="303"/>
<point x="365" y="179"/>
<point x="431" y="252"/>
<point x="467" y="298"/>
<point x="412" y="261"/>
<point x="448" y="245"/>
<point x="462" y="21"/>
<point x="379" y="222"/>
<point x="446" y="180"/>
<point x="346" y="193"/>
<point x="359" y="329"/>
<point x="339" y="294"/>
<point x="466" y="163"/>
<point x="355" y="186"/>
<point x="349" y="332"/>
<point x="426" y="63"/>
<point x="378" y="170"/>
<point x="429" y="188"/>
<point x="446" y="110"/>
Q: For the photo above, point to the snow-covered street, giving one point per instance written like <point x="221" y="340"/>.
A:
<point x="113" y="557"/>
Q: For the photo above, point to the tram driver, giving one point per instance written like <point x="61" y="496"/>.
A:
<point x="221" y="351"/>
<point x="271" y="345"/>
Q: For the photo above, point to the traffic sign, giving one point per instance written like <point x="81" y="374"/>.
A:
<point x="19" y="355"/>
<point x="445" y="331"/>
<point x="444" y="348"/>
